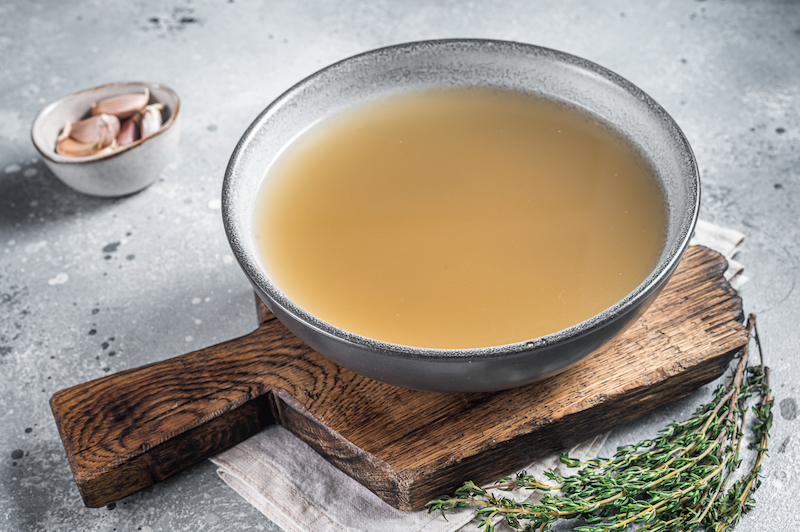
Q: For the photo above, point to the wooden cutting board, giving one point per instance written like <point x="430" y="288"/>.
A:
<point x="129" y="430"/>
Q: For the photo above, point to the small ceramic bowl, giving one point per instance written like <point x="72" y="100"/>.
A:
<point x="527" y="69"/>
<point x="124" y="171"/>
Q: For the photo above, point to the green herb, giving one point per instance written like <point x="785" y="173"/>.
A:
<point x="680" y="481"/>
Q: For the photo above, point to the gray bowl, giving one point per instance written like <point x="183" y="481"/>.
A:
<point x="458" y="63"/>
<point x="118" y="173"/>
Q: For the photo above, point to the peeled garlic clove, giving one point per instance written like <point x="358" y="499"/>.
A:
<point x="151" y="119"/>
<point x="70" y="147"/>
<point x="129" y="131"/>
<point x="123" y="105"/>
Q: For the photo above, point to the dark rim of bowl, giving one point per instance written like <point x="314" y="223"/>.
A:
<point x="658" y="276"/>
<point x="51" y="155"/>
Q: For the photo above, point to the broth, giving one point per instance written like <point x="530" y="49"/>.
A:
<point x="459" y="218"/>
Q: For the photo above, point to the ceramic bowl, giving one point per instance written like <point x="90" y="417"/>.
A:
<point x="118" y="173"/>
<point x="458" y="63"/>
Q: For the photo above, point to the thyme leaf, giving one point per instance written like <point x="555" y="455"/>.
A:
<point x="682" y="480"/>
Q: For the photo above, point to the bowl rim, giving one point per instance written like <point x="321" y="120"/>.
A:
<point x="52" y="156"/>
<point x="658" y="276"/>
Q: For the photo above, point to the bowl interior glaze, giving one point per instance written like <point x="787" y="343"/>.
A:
<point x="464" y="63"/>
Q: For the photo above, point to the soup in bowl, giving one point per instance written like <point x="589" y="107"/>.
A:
<point x="462" y="215"/>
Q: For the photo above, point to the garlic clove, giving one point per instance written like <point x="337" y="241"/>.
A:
<point x="111" y="130"/>
<point x="151" y="119"/>
<point x="70" y="147"/>
<point x="89" y="131"/>
<point x="65" y="132"/>
<point x="123" y="105"/>
<point x="129" y="131"/>
<point x="101" y="138"/>
<point x="100" y="130"/>
<point x="111" y="147"/>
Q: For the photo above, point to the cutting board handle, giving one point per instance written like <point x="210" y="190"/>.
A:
<point x="129" y="430"/>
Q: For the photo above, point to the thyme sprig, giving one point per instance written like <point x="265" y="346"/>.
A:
<point x="681" y="480"/>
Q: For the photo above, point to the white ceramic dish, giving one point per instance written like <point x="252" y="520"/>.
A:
<point x="118" y="173"/>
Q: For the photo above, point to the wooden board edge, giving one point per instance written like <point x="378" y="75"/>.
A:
<point x="373" y="473"/>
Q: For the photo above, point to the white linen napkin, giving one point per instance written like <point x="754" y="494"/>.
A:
<point x="726" y="241"/>
<point x="299" y="490"/>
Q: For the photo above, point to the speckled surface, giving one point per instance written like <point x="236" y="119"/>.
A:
<point x="91" y="286"/>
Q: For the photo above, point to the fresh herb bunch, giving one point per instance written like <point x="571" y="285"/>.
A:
<point x="678" y="481"/>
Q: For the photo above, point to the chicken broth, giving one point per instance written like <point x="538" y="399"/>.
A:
<point x="459" y="218"/>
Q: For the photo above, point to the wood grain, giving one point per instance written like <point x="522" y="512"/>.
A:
<point x="129" y="430"/>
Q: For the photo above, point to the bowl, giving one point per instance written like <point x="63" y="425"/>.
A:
<point x="118" y="173"/>
<point x="463" y="63"/>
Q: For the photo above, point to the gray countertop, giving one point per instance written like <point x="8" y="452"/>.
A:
<point x="90" y="286"/>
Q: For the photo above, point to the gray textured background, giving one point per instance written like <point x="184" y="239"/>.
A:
<point x="151" y="276"/>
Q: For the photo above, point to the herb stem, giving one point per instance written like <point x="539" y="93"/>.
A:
<point x="675" y="482"/>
